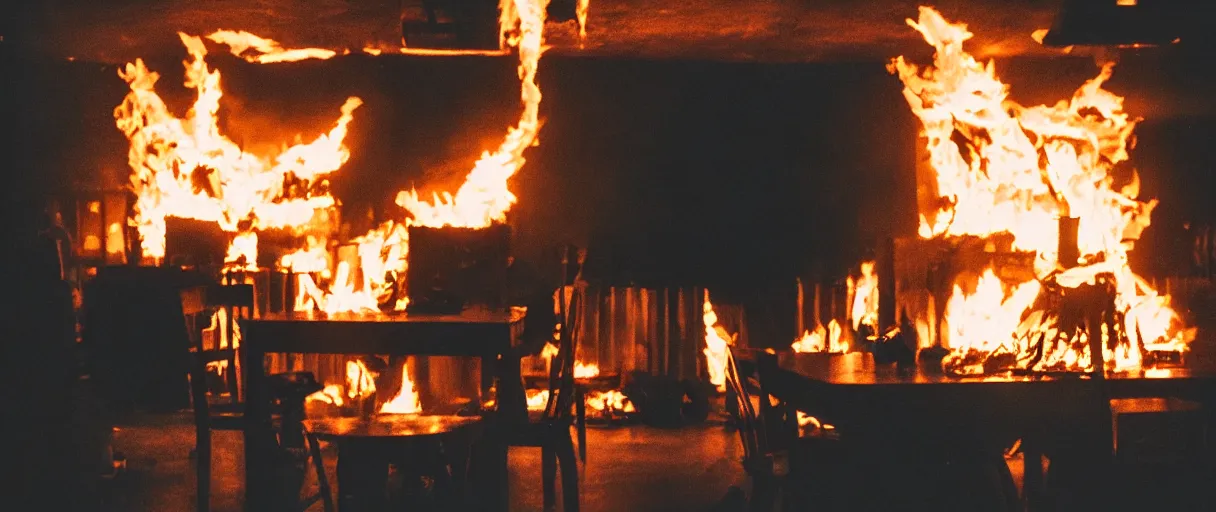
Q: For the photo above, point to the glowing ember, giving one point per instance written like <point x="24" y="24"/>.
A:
<point x="406" y="401"/>
<point x="264" y="51"/>
<point x="184" y="167"/>
<point x="716" y="345"/>
<point x="1001" y="168"/>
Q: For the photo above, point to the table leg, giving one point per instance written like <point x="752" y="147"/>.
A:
<point x="504" y="370"/>
<point x="1032" y="475"/>
<point x="259" y="434"/>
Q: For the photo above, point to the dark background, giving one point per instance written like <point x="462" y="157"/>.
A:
<point x="711" y="173"/>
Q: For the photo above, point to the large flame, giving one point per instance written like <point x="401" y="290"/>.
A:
<point x="717" y="342"/>
<point x="483" y="199"/>
<point x="184" y="167"/>
<point x="1001" y="168"/>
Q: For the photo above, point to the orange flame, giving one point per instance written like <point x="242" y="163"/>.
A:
<point x="406" y="400"/>
<point x="716" y="345"/>
<point x="1004" y="168"/>
<point x="483" y="199"/>
<point x="260" y="50"/>
<point x="611" y="400"/>
<point x="360" y="381"/>
<point x="184" y="167"/>
<point x="537" y="399"/>
<point x="831" y="340"/>
<point x="586" y="371"/>
<point x="580" y="11"/>
<point x="332" y="394"/>
<point x="864" y="293"/>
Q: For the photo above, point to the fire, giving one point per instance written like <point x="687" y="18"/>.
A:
<point x="260" y="50"/>
<point x="580" y="11"/>
<point x="864" y="293"/>
<point x="537" y="399"/>
<point x="609" y="401"/>
<point x="184" y="167"/>
<point x="360" y="381"/>
<point x="831" y="339"/>
<point x="1005" y="169"/>
<point x="586" y="371"/>
<point x="332" y="394"/>
<point x="716" y="345"/>
<point x="484" y="197"/>
<point x="406" y="401"/>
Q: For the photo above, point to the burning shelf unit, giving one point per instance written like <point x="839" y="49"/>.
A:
<point x="1027" y="215"/>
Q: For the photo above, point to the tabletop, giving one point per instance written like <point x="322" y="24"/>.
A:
<point x="389" y="425"/>
<point x="470" y="333"/>
<point x="852" y="389"/>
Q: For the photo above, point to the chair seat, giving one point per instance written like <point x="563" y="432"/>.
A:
<point x="390" y="425"/>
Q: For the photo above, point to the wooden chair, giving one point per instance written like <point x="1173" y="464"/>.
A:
<point x="564" y="409"/>
<point x="765" y="467"/>
<point x="236" y="300"/>
<point x="226" y="416"/>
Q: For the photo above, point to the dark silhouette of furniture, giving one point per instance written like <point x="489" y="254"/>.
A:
<point x="289" y="392"/>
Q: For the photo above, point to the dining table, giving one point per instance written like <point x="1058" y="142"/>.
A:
<point x="478" y="333"/>
<point x="880" y="402"/>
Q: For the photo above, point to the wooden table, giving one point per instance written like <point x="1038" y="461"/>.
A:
<point x="483" y="334"/>
<point x="872" y="401"/>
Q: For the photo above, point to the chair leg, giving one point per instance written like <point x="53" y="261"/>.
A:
<point x="569" y="465"/>
<point x="548" y="458"/>
<point x="327" y="497"/>
<point x="202" y="468"/>
<point x="580" y="423"/>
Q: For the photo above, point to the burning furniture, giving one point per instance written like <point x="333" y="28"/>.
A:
<point x="1027" y="217"/>
<point x="484" y="335"/>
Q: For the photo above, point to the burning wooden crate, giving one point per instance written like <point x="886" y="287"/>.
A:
<point x="452" y="268"/>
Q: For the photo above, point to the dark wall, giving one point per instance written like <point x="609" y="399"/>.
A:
<point x="706" y="172"/>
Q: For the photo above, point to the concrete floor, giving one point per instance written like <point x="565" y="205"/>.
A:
<point x="629" y="468"/>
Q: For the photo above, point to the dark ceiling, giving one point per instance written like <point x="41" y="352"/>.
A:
<point x="753" y="30"/>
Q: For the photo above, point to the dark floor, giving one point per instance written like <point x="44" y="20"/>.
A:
<point x="629" y="468"/>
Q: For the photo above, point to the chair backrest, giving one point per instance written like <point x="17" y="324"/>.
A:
<point x="193" y="308"/>
<point x="739" y="404"/>
<point x="778" y="419"/>
<point x="561" y="370"/>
